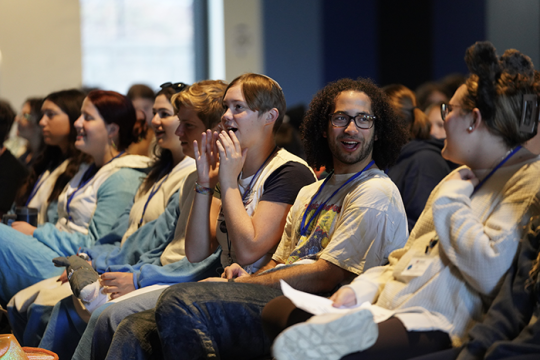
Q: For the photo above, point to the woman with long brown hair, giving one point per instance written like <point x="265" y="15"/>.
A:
<point x="88" y="205"/>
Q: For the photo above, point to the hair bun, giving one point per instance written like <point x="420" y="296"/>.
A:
<point x="482" y="60"/>
<point x="514" y="62"/>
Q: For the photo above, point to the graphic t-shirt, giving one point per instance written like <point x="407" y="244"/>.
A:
<point x="356" y="229"/>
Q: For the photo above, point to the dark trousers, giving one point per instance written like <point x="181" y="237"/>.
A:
<point x="393" y="342"/>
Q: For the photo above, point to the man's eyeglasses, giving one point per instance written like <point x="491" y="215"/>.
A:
<point x="177" y="87"/>
<point x="362" y="121"/>
<point x="446" y="108"/>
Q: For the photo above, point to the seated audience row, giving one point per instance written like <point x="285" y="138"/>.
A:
<point x="223" y="205"/>
<point x="434" y="288"/>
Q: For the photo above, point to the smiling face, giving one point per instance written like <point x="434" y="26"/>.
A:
<point x="238" y="117"/>
<point x="351" y="146"/>
<point x="189" y="129"/>
<point x="92" y="132"/>
<point x="164" y="124"/>
<point x="55" y="125"/>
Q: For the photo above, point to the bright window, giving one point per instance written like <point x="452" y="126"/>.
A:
<point x="137" y="41"/>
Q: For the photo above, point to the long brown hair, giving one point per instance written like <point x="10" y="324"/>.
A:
<point x="70" y="102"/>
<point x="163" y="157"/>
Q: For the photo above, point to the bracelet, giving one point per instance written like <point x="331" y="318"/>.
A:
<point x="203" y="189"/>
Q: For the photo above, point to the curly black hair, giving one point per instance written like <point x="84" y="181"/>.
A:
<point x="390" y="133"/>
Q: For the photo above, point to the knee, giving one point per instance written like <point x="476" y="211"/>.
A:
<point x="174" y="299"/>
<point x="275" y="314"/>
<point x="108" y="319"/>
<point x="279" y="314"/>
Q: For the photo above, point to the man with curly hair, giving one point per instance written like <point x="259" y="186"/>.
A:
<point x="336" y="229"/>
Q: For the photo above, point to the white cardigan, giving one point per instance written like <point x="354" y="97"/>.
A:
<point x="478" y="238"/>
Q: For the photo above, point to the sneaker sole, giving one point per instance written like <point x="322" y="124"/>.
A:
<point x="330" y="340"/>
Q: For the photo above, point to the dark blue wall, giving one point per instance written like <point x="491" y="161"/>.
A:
<point x="457" y="24"/>
<point x="308" y="43"/>
<point x="350" y="39"/>
<point x="292" y="34"/>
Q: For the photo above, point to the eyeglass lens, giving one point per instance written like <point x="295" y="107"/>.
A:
<point x="362" y="121"/>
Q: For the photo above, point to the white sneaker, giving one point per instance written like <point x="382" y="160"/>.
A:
<point x="328" y="337"/>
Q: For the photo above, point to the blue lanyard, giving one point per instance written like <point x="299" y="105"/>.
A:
<point x="35" y="189"/>
<point x="244" y="195"/>
<point x="152" y="193"/>
<point x="303" y="226"/>
<point x="248" y="190"/>
<point x="477" y="187"/>
<point x="83" y="183"/>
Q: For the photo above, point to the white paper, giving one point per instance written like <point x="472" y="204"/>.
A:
<point x="313" y="304"/>
<point x="318" y="305"/>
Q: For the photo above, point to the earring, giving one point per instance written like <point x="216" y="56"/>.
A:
<point x="470" y="128"/>
<point x="113" y="144"/>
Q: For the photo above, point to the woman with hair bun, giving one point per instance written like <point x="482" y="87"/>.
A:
<point x="89" y="204"/>
<point x="420" y="165"/>
<point x="436" y="287"/>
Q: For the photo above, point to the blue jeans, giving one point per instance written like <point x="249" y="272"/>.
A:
<point x="197" y="321"/>
<point x="24" y="261"/>
<point x="99" y="334"/>
<point x="221" y="320"/>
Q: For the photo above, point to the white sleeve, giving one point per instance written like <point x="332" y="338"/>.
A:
<point x="370" y="284"/>
<point x="482" y="252"/>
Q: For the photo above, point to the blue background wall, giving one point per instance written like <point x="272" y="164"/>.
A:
<point x="308" y="43"/>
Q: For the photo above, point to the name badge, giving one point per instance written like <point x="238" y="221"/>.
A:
<point x="417" y="266"/>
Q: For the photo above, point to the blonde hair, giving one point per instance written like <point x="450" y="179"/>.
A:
<point x="205" y="97"/>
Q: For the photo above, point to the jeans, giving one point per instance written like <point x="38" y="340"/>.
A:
<point x="213" y="320"/>
<point x="197" y="321"/>
<point x="98" y="336"/>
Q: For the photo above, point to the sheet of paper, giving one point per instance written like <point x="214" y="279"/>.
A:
<point x="313" y="304"/>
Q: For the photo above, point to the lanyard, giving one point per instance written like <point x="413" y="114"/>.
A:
<point x="248" y="190"/>
<point x="36" y="187"/>
<point x="83" y="183"/>
<point x="507" y="157"/>
<point x="152" y="193"/>
<point x="303" y="226"/>
<point x="244" y="195"/>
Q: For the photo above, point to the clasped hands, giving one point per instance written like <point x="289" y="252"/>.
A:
<point x="219" y="158"/>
